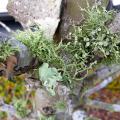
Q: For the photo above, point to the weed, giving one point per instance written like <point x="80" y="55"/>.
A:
<point x="49" y="77"/>
<point x="10" y="89"/>
<point x="61" y="105"/>
<point x="21" y="107"/>
<point x="3" y="115"/>
<point x="93" y="42"/>
<point x="40" y="46"/>
<point x="6" y="50"/>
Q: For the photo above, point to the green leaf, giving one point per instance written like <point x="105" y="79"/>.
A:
<point x="49" y="77"/>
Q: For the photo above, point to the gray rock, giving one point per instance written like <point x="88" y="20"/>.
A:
<point x="79" y="115"/>
<point x="44" y="102"/>
<point x="115" y="25"/>
<point x="23" y="52"/>
<point x="43" y="12"/>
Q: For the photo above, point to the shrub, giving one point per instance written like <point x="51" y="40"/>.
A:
<point x="92" y="43"/>
<point x="41" y="47"/>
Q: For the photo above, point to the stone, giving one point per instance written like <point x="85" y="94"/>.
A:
<point x="62" y="116"/>
<point x="24" y="54"/>
<point x="79" y="115"/>
<point x="62" y="91"/>
<point x="115" y="25"/>
<point x="46" y="13"/>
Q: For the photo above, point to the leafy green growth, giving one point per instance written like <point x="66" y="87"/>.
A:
<point x="49" y="76"/>
<point x="61" y="105"/>
<point x="6" y="50"/>
<point x="40" y="46"/>
<point x="46" y="51"/>
<point x="46" y="118"/>
<point x="10" y="90"/>
<point x="93" y="42"/>
<point x="3" y="115"/>
<point x="21" y="107"/>
<point x="14" y="92"/>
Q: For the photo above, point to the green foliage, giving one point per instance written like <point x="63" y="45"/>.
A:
<point x="93" y="42"/>
<point x="40" y="46"/>
<point x="15" y="93"/>
<point x="97" y="16"/>
<point x="6" y="50"/>
<point x="49" y="76"/>
<point x="21" y="107"/>
<point x="61" y="105"/>
<point x="3" y="115"/>
<point x="10" y="90"/>
<point x="41" y="117"/>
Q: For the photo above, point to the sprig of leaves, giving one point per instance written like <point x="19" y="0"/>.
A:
<point x="93" y="42"/>
<point x="41" y="47"/>
<point x="42" y="117"/>
<point x="61" y="105"/>
<point x="20" y="106"/>
<point x="6" y="50"/>
<point x="49" y="76"/>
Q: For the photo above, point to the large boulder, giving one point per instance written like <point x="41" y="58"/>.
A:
<point x="43" y="12"/>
